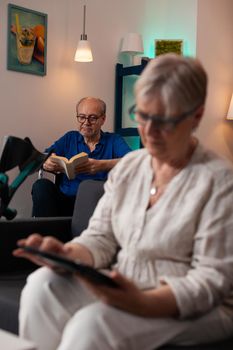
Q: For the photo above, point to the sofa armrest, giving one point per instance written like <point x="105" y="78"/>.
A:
<point x="88" y="195"/>
<point x="12" y="231"/>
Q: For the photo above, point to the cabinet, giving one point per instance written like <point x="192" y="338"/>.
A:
<point x="122" y="72"/>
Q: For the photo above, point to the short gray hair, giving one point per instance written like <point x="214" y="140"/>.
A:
<point x="101" y="103"/>
<point x="179" y="81"/>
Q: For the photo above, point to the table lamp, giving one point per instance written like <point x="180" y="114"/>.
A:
<point x="133" y="45"/>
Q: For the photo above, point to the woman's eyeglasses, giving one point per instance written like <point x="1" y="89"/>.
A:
<point x="92" y="118"/>
<point x="160" y="122"/>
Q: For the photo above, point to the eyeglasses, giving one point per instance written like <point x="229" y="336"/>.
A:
<point x="92" y="118"/>
<point x="160" y="122"/>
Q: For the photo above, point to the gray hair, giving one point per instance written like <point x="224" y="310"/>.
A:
<point x="101" y="103"/>
<point x="179" y="81"/>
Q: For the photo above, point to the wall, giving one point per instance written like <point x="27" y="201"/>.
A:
<point x="161" y="19"/>
<point x="43" y="108"/>
<point x="215" y="50"/>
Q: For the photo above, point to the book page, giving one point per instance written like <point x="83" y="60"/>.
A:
<point x="69" y="169"/>
<point x="82" y="155"/>
<point x="73" y="162"/>
<point x="57" y="159"/>
<point x="62" y="162"/>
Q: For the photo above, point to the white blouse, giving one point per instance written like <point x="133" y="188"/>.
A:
<point x="185" y="239"/>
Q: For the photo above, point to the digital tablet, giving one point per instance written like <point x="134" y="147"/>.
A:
<point x="69" y="265"/>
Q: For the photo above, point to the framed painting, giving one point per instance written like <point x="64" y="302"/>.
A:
<point x="165" y="46"/>
<point x="27" y="40"/>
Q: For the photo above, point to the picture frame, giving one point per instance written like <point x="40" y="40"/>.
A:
<point x="26" y="40"/>
<point x="166" y="46"/>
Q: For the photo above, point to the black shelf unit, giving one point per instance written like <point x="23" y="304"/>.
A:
<point x="121" y="72"/>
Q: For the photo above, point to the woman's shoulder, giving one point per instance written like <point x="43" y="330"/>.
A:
<point x="210" y="163"/>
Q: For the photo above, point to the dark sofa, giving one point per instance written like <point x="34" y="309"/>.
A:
<point x="13" y="271"/>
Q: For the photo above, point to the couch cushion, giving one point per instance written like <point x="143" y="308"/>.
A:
<point x="11" y="231"/>
<point x="223" y="345"/>
<point x="10" y="289"/>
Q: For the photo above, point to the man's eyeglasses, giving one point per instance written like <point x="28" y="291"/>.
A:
<point x="160" y="122"/>
<point x="92" y="118"/>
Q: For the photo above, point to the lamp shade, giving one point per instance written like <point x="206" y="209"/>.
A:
<point x="132" y="42"/>
<point x="230" y="110"/>
<point x="83" y="52"/>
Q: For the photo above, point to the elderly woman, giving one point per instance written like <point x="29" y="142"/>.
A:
<point x="164" y="226"/>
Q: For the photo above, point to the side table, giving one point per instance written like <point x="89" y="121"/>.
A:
<point x="10" y="341"/>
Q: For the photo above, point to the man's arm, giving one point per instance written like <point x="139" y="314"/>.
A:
<point x="108" y="164"/>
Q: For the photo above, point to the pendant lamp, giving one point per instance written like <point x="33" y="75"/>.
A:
<point x="83" y="52"/>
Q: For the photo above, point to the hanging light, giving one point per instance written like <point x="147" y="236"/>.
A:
<point x="83" y="52"/>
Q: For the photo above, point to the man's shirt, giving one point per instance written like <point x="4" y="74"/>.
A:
<point x="110" y="146"/>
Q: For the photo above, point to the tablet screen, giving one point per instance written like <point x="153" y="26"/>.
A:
<point x="88" y="272"/>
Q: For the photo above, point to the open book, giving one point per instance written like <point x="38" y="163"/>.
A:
<point x="69" y="164"/>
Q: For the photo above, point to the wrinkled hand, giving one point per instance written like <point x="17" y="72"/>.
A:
<point x="49" y="244"/>
<point x="91" y="166"/>
<point x="51" y="166"/>
<point x="128" y="297"/>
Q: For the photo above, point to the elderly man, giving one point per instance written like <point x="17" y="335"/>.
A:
<point x="104" y="150"/>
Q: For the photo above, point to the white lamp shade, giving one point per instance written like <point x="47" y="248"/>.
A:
<point x="132" y="42"/>
<point x="83" y="52"/>
<point x="230" y="110"/>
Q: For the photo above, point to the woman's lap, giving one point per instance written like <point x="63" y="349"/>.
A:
<point x="85" y="322"/>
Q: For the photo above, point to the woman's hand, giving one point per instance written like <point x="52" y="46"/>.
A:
<point x="48" y="244"/>
<point x="127" y="297"/>
<point x="159" y="302"/>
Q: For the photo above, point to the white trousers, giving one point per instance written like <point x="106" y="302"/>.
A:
<point x="57" y="312"/>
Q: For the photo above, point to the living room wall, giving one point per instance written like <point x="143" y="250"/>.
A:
<point x="43" y="108"/>
<point x="215" y="50"/>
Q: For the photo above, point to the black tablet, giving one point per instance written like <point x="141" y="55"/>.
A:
<point x="69" y="265"/>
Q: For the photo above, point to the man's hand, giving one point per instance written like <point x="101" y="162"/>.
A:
<point x="51" y="166"/>
<point x="93" y="166"/>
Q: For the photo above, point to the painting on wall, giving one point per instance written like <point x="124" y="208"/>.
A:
<point x="27" y="40"/>
<point x="166" y="46"/>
